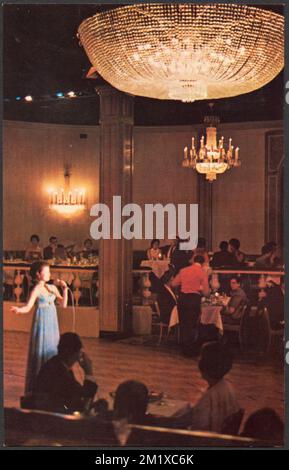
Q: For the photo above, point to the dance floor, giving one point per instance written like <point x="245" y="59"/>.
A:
<point x="258" y="382"/>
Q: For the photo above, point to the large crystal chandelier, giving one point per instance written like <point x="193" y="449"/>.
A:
<point x="211" y="158"/>
<point x="185" y="52"/>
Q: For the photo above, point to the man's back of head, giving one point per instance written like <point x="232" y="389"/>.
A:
<point x="199" y="259"/>
<point x="69" y="344"/>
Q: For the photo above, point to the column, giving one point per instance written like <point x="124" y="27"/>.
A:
<point x="116" y="167"/>
<point x="205" y="209"/>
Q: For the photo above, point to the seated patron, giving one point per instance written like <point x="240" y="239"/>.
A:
<point x="233" y="311"/>
<point x="166" y="298"/>
<point x="34" y="251"/>
<point x="154" y="253"/>
<point x="56" y="250"/>
<point x="56" y="388"/>
<point x="276" y="259"/>
<point x="61" y="253"/>
<point x="222" y="258"/>
<point x="219" y="402"/>
<point x="238" y="258"/>
<point x="130" y="406"/>
<point x="49" y="251"/>
<point x="88" y="249"/>
<point x="201" y="250"/>
<point x="265" y="260"/>
<point x="273" y="299"/>
<point x="265" y="425"/>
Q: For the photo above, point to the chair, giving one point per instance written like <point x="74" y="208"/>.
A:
<point x="163" y="326"/>
<point x="86" y="284"/>
<point x="232" y="423"/>
<point x="239" y="327"/>
<point x="270" y="333"/>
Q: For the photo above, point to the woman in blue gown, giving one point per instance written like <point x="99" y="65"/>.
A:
<point x="44" y="336"/>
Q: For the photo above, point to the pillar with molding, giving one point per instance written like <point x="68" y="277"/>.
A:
<point x="116" y="169"/>
<point x="205" y="190"/>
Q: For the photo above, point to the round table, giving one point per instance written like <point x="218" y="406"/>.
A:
<point x="210" y="315"/>
<point x="158" y="267"/>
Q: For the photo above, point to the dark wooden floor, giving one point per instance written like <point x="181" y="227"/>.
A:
<point x="257" y="382"/>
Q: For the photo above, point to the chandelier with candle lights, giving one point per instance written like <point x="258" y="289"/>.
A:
<point x="65" y="200"/>
<point x="185" y="52"/>
<point x="211" y="158"/>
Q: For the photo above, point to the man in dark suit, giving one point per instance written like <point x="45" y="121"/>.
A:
<point x="166" y="298"/>
<point x="179" y="258"/>
<point x="49" y="251"/>
<point x="57" y="389"/>
<point x="273" y="299"/>
<point x="223" y="258"/>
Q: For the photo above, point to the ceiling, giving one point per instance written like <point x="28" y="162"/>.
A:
<point x="42" y="56"/>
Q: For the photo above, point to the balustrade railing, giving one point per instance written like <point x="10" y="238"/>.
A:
<point x="83" y="281"/>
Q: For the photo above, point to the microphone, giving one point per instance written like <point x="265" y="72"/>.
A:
<point x="58" y="282"/>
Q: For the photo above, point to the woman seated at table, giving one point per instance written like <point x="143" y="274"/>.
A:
<point x="233" y="311"/>
<point x="154" y="253"/>
<point x="34" y="251"/>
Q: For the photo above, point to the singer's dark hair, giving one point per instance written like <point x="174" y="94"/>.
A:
<point x="36" y="268"/>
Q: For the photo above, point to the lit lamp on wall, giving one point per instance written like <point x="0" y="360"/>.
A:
<point x="65" y="200"/>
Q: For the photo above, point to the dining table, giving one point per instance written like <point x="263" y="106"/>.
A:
<point x="168" y="407"/>
<point x="210" y="313"/>
<point x="161" y="406"/>
<point x="158" y="267"/>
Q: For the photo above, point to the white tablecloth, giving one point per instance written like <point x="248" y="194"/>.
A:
<point x="210" y="315"/>
<point x="158" y="267"/>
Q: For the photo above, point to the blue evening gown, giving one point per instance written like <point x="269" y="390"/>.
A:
<point x="44" y="338"/>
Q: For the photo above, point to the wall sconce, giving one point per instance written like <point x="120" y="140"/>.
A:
<point x="64" y="200"/>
